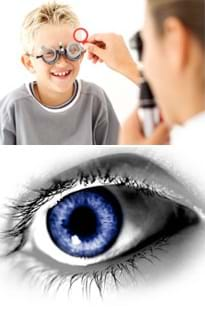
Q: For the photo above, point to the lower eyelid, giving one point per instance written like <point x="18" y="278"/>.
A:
<point x="125" y="270"/>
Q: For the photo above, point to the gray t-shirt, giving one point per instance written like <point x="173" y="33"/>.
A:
<point x="87" y="118"/>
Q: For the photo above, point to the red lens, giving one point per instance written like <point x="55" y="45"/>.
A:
<point x="80" y="35"/>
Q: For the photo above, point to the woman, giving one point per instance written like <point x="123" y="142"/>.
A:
<point x="174" y="64"/>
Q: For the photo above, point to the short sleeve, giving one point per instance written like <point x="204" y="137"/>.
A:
<point x="107" y="128"/>
<point x="7" y="126"/>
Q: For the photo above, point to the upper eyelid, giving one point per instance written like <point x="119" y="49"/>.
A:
<point x="91" y="168"/>
<point x="130" y="165"/>
<point x="111" y="163"/>
<point x="117" y="164"/>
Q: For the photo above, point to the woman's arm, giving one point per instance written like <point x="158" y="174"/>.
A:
<point x="114" y="53"/>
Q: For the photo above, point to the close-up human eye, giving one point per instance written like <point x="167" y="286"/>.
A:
<point x="94" y="224"/>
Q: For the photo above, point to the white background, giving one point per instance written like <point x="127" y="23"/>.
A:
<point x="123" y="17"/>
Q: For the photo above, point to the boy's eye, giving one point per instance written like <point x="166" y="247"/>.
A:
<point x="49" y="54"/>
<point x="74" y="50"/>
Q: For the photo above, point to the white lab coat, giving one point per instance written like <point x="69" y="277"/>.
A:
<point x="191" y="133"/>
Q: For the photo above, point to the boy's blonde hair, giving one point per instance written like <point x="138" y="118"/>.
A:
<point x="51" y="13"/>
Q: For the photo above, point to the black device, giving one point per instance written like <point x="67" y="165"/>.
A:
<point x="148" y="111"/>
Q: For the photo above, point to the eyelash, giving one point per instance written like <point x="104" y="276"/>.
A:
<point x="129" y="266"/>
<point x="25" y="212"/>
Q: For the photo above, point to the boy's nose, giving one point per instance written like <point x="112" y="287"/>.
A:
<point x="62" y="59"/>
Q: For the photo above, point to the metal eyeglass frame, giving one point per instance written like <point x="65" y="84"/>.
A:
<point x="62" y="51"/>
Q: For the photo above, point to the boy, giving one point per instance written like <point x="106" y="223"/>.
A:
<point x="55" y="108"/>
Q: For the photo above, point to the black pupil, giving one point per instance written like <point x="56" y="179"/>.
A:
<point x="83" y="222"/>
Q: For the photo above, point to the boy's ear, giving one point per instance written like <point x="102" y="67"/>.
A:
<point x="26" y="61"/>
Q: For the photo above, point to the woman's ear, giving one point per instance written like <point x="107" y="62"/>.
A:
<point x="177" y="42"/>
<point x="26" y="61"/>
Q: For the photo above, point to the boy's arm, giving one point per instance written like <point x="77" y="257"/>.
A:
<point x="107" y="128"/>
<point x="7" y="130"/>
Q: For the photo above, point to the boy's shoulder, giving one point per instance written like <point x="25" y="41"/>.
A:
<point x="92" y="89"/>
<point x="14" y="96"/>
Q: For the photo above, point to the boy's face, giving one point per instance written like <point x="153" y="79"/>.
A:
<point x="46" y="75"/>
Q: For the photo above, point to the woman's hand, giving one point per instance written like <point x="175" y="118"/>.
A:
<point x="111" y="49"/>
<point x="131" y="133"/>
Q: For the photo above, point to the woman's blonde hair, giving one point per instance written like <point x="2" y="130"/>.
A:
<point x="51" y="13"/>
<point x="190" y="12"/>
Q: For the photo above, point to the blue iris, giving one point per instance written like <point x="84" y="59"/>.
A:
<point x="85" y="223"/>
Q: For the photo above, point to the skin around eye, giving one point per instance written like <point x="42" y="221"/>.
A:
<point x="37" y="256"/>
